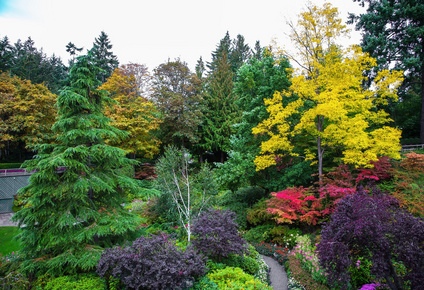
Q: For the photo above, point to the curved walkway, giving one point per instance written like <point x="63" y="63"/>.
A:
<point x="277" y="274"/>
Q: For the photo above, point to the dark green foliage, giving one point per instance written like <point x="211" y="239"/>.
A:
<point x="103" y="57"/>
<point x="237" y="51"/>
<point x="27" y="62"/>
<point x="81" y="282"/>
<point x="6" y="54"/>
<point x="74" y="198"/>
<point x="280" y="235"/>
<point x="177" y="97"/>
<point x="241" y="200"/>
<point x="392" y="33"/>
<point x="258" y="234"/>
<point x="220" y="111"/>
<point x="10" y="165"/>
<point x="257" y="80"/>
<point x="153" y="262"/>
<point x="216" y="235"/>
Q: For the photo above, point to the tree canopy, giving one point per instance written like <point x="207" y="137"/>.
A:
<point x="335" y="110"/>
<point x="392" y="33"/>
<point x="73" y="199"/>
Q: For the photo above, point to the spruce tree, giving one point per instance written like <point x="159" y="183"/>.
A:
<point x="73" y="200"/>
<point x="220" y="111"/>
<point x="104" y="57"/>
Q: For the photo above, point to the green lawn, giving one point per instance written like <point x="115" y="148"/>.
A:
<point x="7" y="243"/>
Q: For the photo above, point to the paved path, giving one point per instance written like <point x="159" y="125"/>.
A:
<point x="277" y="274"/>
<point x="5" y="220"/>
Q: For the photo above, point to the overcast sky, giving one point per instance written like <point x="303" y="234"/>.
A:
<point x="149" y="32"/>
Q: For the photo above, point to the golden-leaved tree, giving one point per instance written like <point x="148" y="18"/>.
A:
<point x="26" y="113"/>
<point x="133" y="113"/>
<point x="332" y="107"/>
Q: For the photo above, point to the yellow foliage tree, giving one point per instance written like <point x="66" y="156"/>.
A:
<point x="26" y="113"/>
<point x="132" y="113"/>
<point x="333" y="107"/>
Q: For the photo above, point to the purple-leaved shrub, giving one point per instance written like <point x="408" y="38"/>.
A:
<point x="216" y="234"/>
<point x="375" y="227"/>
<point x="153" y="262"/>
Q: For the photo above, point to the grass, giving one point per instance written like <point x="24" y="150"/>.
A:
<point x="7" y="243"/>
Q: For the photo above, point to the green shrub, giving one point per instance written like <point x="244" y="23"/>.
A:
<point x="258" y="214"/>
<point x="235" y="278"/>
<point x="10" y="165"/>
<point x="280" y="235"/>
<point x="81" y="282"/>
<point x="14" y="280"/>
<point x="205" y="283"/>
<point x="258" y="234"/>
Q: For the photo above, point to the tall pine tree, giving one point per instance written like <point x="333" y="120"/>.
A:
<point x="73" y="199"/>
<point x="220" y="111"/>
<point x="104" y="57"/>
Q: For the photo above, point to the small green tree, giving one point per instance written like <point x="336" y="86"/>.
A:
<point x="189" y="192"/>
<point x="73" y="199"/>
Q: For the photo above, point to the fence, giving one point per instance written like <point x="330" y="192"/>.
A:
<point x="411" y="147"/>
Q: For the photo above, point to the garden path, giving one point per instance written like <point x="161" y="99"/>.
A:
<point x="277" y="274"/>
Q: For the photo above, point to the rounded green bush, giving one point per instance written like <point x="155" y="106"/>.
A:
<point x="235" y="278"/>
<point x="81" y="282"/>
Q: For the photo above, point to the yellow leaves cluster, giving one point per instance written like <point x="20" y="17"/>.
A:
<point x="332" y="106"/>
<point x="132" y="113"/>
<point x="26" y="111"/>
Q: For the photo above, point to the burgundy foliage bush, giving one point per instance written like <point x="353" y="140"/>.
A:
<point x="373" y="226"/>
<point x="216" y="234"/>
<point x="153" y="262"/>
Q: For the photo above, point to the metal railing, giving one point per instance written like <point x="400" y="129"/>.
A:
<point x="411" y="147"/>
<point x="14" y="172"/>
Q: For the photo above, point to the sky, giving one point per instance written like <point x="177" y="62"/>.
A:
<point x="152" y="31"/>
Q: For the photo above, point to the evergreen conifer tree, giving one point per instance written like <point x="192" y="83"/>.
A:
<point x="73" y="199"/>
<point x="104" y="57"/>
<point x="220" y="109"/>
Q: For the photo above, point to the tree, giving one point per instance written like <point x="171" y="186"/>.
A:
<point x="256" y="81"/>
<point x="133" y="114"/>
<point x="224" y="47"/>
<point x="220" y="111"/>
<point x="27" y="62"/>
<point x="392" y="33"/>
<point x="177" y="96"/>
<point x="104" y="57"/>
<point x="200" y="68"/>
<point x="26" y="114"/>
<point x="335" y="110"/>
<point x="376" y="228"/>
<point x="73" y="202"/>
<point x="236" y="51"/>
<point x="189" y="192"/>
<point x="6" y="54"/>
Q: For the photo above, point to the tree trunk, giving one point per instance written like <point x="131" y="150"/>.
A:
<point x="319" y="124"/>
